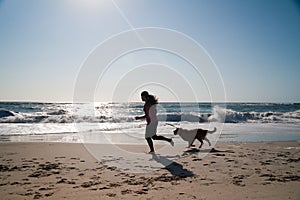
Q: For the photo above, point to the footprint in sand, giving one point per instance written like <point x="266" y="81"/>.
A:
<point x="111" y="194"/>
<point x="127" y="191"/>
<point x="238" y="180"/>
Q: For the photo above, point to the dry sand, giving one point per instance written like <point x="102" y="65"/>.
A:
<point x="230" y="171"/>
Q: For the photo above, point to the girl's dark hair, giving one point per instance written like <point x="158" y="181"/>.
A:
<point x="150" y="98"/>
<point x="145" y="94"/>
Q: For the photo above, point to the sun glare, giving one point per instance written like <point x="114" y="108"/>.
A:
<point x="93" y="3"/>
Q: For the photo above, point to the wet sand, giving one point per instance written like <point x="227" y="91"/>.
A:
<point x="229" y="171"/>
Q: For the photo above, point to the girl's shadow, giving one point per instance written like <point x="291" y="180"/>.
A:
<point x="173" y="167"/>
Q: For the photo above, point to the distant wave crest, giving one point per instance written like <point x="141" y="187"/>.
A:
<point x="219" y="114"/>
<point x="230" y="116"/>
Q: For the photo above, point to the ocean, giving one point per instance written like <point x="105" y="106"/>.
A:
<point x="115" y="122"/>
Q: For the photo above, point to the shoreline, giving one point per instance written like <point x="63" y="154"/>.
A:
<point x="235" y="170"/>
<point x="73" y="138"/>
<point x="228" y="133"/>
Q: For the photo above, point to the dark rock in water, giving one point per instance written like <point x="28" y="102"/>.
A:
<point x="201" y="120"/>
<point x="268" y="114"/>
<point x="5" y="113"/>
<point x="58" y="112"/>
<point x="39" y="118"/>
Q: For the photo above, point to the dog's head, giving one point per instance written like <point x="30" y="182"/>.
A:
<point x="176" y="131"/>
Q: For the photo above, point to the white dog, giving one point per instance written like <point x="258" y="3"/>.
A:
<point x="191" y="135"/>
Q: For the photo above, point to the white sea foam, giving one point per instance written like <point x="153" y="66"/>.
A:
<point x="118" y="118"/>
<point x="230" y="116"/>
<point x="219" y="114"/>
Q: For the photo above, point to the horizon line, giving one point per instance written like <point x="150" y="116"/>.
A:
<point x="107" y="102"/>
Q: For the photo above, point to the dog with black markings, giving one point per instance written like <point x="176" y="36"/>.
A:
<point x="192" y="135"/>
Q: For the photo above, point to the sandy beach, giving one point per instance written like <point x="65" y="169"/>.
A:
<point x="230" y="171"/>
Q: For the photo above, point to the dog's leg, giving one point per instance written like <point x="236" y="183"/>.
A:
<point x="191" y="143"/>
<point x="201" y="141"/>
<point x="207" y="141"/>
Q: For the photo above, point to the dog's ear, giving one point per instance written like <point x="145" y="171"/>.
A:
<point x="175" y="131"/>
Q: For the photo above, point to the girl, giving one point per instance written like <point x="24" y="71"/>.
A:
<point x="152" y="121"/>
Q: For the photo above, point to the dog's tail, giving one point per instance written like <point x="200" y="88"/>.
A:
<point x="215" y="129"/>
<point x="171" y="125"/>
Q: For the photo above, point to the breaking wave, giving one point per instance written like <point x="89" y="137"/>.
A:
<point x="219" y="114"/>
<point x="231" y="116"/>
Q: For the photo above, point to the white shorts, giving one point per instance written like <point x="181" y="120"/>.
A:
<point x="151" y="129"/>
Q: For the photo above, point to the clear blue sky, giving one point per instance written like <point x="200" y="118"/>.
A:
<point x="255" y="44"/>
